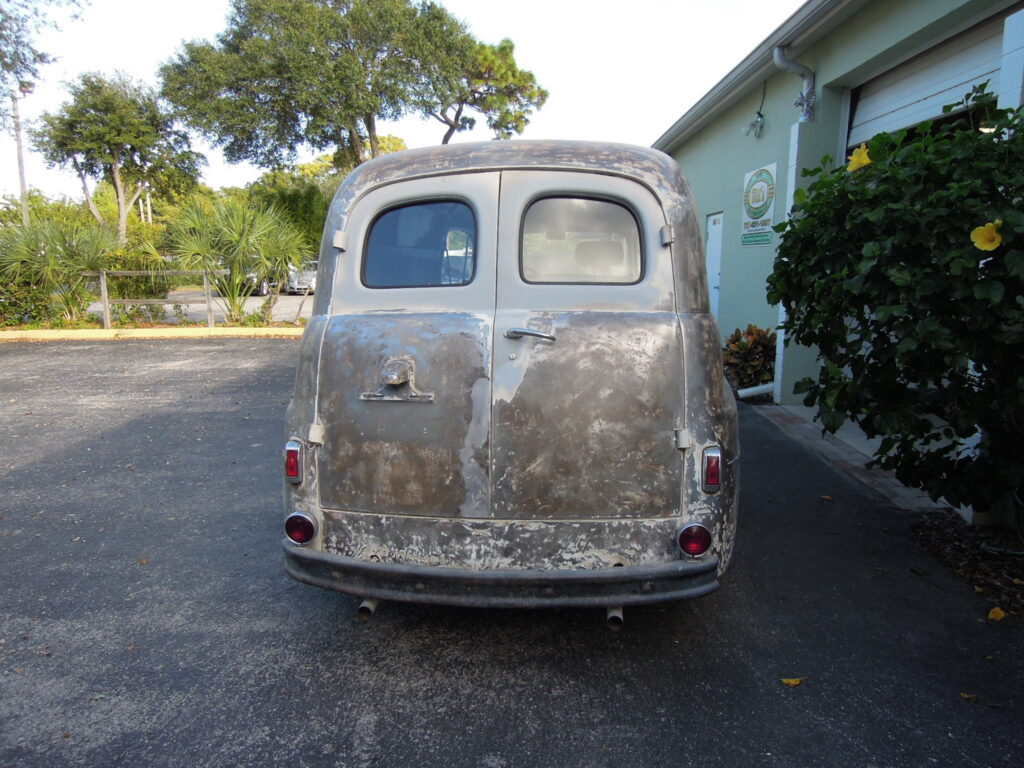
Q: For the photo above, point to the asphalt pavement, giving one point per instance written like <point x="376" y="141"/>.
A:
<point x="146" y="620"/>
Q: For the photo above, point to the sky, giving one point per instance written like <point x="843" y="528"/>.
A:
<point x="615" y="71"/>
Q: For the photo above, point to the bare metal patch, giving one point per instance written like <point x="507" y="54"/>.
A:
<point x="500" y="544"/>
<point x="474" y="475"/>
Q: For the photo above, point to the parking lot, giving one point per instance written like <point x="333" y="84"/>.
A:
<point x="145" y="618"/>
<point x="288" y="308"/>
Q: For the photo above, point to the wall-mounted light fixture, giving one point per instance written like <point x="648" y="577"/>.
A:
<point x="756" y="125"/>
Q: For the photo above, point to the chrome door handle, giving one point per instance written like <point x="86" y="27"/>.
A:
<point x="518" y="333"/>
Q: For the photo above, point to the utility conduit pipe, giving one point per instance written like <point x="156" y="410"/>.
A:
<point x="760" y="389"/>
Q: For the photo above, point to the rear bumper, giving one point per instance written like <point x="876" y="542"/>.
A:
<point x="628" y="585"/>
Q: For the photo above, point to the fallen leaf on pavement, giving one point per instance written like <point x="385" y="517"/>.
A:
<point x="143" y="560"/>
<point x="979" y="589"/>
<point x="997" y="614"/>
<point x="792" y="682"/>
<point x="828" y="498"/>
<point x="969" y="696"/>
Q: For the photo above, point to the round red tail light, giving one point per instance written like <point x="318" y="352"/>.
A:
<point x="694" y="540"/>
<point x="299" y="529"/>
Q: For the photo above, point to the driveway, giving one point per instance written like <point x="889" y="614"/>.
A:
<point x="145" y="618"/>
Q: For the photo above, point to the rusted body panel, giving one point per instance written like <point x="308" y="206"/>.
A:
<point x="578" y="423"/>
<point x="500" y="544"/>
<point x="392" y="454"/>
<point x="434" y="440"/>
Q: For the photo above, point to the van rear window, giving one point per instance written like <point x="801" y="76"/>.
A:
<point x="580" y="240"/>
<point x="421" y="246"/>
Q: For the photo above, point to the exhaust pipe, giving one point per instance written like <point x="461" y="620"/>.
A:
<point x="614" y="618"/>
<point x="366" y="609"/>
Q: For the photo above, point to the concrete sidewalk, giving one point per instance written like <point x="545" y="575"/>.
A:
<point x="849" y="450"/>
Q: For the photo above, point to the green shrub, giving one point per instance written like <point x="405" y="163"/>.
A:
<point x="139" y="254"/>
<point x="22" y="302"/>
<point x="52" y="254"/>
<point x="906" y="270"/>
<point x="749" y="357"/>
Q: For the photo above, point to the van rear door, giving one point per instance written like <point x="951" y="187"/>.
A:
<point x="587" y="352"/>
<point x="404" y="391"/>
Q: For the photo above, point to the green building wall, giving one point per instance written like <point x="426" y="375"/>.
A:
<point x="716" y="158"/>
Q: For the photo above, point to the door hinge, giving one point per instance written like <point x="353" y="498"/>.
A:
<point x="683" y="439"/>
<point x="667" y="235"/>
<point x="340" y="240"/>
<point x="316" y="434"/>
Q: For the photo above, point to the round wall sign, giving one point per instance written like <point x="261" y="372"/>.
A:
<point x="759" y="194"/>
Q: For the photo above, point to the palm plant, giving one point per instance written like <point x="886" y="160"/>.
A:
<point x="251" y="243"/>
<point x="52" y="255"/>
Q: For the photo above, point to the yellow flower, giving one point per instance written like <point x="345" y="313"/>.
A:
<point x="987" y="238"/>
<point x="859" y="158"/>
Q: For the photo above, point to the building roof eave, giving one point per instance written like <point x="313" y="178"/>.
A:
<point x="811" y="21"/>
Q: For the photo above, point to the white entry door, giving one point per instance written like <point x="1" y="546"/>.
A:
<point x="713" y="254"/>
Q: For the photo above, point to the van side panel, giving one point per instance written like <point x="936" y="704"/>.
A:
<point x="712" y="419"/>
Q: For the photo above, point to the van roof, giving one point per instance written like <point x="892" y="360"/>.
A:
<point x="650" y="167"/>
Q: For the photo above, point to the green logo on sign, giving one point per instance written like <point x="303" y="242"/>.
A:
<point x="759" y="194"/>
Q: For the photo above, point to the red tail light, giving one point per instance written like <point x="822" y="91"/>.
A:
<point x="712" y="469"/>
<point x="694" y="540"/>
<point x="299" y="529"/>
<point x="293" y="461"/>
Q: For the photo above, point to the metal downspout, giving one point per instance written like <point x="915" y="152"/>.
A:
<point x="805" y="101"/>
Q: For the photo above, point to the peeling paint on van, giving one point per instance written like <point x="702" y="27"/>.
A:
<point x="433" y="441"/>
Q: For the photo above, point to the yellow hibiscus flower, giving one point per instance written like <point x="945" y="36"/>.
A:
<point x="987" y="237"/>
<point x="859" y="158"/>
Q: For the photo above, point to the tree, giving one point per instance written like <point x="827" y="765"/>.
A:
<point x="20" y="59"/>
<point x="60" y="209"/>
<point x="487" y="81"/>
<point x="906" y="270"/>
<point x="323" y="73"/>
<point x="304" y="194"/>
<point x="291" y="72"/>
<point x="251" y="243"/>
<point x="116" y="130"/>
<point x="299" y="198"/>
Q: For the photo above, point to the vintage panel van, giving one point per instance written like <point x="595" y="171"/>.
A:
<point x="510" y="392"/>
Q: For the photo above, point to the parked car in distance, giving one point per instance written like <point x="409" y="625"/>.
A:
<point x="510" y="392"/>
<point x="302" y="280"/>
<point x="261" y="286"/>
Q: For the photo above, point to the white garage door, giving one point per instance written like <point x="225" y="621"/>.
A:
<point x="918" y="89"/>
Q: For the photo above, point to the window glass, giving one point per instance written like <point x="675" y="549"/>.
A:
<point x="579" y="240"/>
<point x="421" y="245"/>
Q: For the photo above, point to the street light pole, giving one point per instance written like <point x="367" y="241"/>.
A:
<point x="26" y="88"/>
